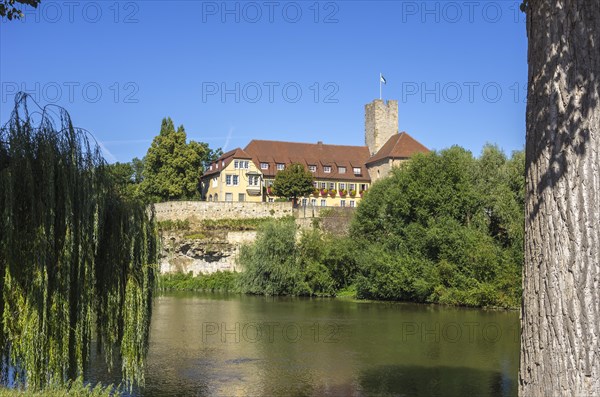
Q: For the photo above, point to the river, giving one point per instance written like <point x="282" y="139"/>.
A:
<point x="238" y="345"/>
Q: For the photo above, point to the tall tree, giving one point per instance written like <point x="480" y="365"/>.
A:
<point x="76" y="256"/>
<point x="12" y="10"/>
<point x="293" y="182"/>
<point x="560" y="326"/>
<point x="172" y="167"/>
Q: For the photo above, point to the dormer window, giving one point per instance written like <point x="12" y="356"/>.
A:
<point x="312" y="168"/>
<point x="280" y="166"/>
<point x="327" y="169"/>
<point x="357" y="171"/>
<point x="264" y="166"/>
<point x="342" y="170"/>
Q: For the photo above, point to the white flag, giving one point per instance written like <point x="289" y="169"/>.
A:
<point x="382" y="79"/>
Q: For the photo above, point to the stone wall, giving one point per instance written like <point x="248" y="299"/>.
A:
<point x="381" y="123"/>
<point x="217" y="252"/>
<point x="198" y="210"/>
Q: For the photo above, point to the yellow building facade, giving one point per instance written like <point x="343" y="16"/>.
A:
<point x="342" y="174"/>
<point x="233" y="177"/>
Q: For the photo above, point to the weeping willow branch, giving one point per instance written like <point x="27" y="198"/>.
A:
<point x="76" y="258"/>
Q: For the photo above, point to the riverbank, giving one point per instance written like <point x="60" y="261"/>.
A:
<point x="75" y="389"/>
<point x="229" y="282"/>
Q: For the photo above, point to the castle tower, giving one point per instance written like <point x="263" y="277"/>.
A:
<point x="381" y="123"/>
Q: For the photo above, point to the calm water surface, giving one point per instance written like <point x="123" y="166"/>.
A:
<point x="236" y="345"/>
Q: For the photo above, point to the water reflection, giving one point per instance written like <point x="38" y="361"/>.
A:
<point x="231" y="345"/>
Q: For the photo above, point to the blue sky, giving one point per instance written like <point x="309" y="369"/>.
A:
<point x="283" y="70"/>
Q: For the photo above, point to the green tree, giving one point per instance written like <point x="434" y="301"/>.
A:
<point x="126" y="178"/>
<point x="443" y="228"/>
<point x="293" y="182"/>
<point x="172" y="167"/>
<point x="76" y="257"/>
<point x="8" y="8"/>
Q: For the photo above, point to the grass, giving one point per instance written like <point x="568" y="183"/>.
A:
<point x="195" y="236"/>
<point x="169" y="225"/>
<point x="234" y="224"/>
<point x="214" y="282"/>
<point x="347" y="292"/>
<point x="74" y="389"/>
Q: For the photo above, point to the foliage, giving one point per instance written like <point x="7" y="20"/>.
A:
<point x="75" y="256"/>
<point x="218" y="281"/>
<point x="276" y="264"/>
<point x="172" y="167"/>
<point x="126" y="179"/>
<point x="270" y="263"/>
<point x="234" y="224"/>
<point x="169" y="225"/>
<point x="292" y="182"/>
<point x="444" y="228"/>
<point x="9" y="9"/>
<point x="71" y="389"/>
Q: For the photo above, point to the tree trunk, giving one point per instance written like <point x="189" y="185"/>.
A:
<point x="560" y="317"/>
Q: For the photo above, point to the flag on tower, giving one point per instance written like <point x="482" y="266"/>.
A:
<point x="382" y="79"/>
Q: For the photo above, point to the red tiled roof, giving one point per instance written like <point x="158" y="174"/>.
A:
<point x="228" y="157"/>
<point x="318" y="154"/>
<point x="399" y="146"/>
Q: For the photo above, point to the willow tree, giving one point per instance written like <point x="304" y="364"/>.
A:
<point x="77" y="259"/>
<point x="560" y="339"/>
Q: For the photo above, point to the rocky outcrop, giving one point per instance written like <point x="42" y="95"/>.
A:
<point x="202" y="254"/>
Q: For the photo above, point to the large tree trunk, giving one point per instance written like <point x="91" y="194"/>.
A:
<point x="560" y="318"/>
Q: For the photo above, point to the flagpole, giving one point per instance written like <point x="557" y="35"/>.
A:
<point x="379" y="85"/>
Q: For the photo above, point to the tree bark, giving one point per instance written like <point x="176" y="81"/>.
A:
<point x="560" y="316"/>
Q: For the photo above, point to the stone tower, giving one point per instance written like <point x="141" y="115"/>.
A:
<point x="381" y="123"/>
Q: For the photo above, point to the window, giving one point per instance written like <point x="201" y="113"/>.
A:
<point x="236" y="179"/>
<point x="215" y="182"/>
<point x="223" y="163"/>
<point x="253" y="180"/>
<point x="342" y="203"/>
<point x="211" y="167"/>
<point x="228" y="180"/>
<point x="342" y="170"/>
<point x="241" y="197"/>
<point x="313" y="202"/>
<point x="331" y="185"/>
<point x="327" y="169"/>
<point x="264" y="166"/>
<point x="352" y="186"/>
<point x="216" y="197"/>
<point x="280" y="166"/>
<point x="352" y="203"/>
<point x="228" y="196"/>
<point x="210" y="198"/>
<point x="315" y="184"/>
<point x="236" y="164"/>
<point x="312" y="168"/>
<point x="342" y="186"/>
<point x="357" y="171"/>
<point x="363" y="186"/>
<point x="304" y="202"/>
<point x="322" y="185"/>
<point x="323" y="203"/>
<point x="271" y="199"/>
<point x="269" y="183"/>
